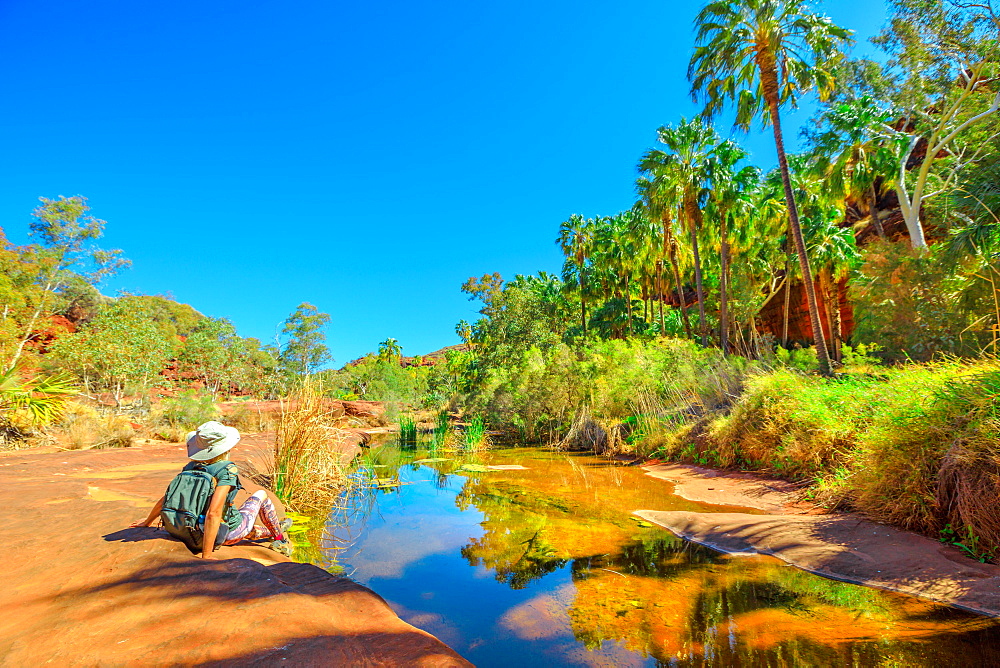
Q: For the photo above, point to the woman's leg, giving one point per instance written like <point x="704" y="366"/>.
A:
<point x="257" y="504"/>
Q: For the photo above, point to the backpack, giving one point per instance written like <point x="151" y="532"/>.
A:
<point x="185" y="505"/>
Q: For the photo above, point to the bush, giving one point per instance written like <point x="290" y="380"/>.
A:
<point x="643" y="384"/>
<point x="82" y="427"/>
<point x="188" y="409"/>
<point x="917" y="446"/>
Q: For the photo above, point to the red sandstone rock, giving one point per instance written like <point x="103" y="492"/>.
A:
<point x="82" y="589"/>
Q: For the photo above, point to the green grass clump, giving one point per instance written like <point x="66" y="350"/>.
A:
<point x="442" y="429"/>
<point x="475" y="434"/>
<point x="407" y="431"/>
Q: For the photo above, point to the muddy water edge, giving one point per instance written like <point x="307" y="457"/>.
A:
<point x="546" y="565"/>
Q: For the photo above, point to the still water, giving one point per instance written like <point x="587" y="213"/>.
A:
<point x="545" y="566"/>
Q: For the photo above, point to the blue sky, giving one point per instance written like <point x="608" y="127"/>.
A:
<point x="365" y="157"/>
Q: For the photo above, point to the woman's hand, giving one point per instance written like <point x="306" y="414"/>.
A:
<point x="206" y="556"/>
<point x="153" y="514"/>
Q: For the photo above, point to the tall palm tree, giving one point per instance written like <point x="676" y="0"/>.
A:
<point x="760" y="55"/>
<point x="576" y="237"/>
<point x="660" y="196"/>
<point x="730" y="197"/>
<point x="689" y="148"/>
<point x="835" y="253"/>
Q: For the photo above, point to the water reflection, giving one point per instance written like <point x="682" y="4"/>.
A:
<point x="547" y="566"/>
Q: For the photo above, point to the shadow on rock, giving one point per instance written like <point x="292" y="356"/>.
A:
<point x="136" y="535"/>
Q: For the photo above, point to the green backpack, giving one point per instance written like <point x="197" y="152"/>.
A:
<point x="185" y="505"/>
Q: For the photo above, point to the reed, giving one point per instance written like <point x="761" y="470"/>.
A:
<point x="476" y="437"/>
<point x="407" y="431"/>
<point x="442" y="430"/>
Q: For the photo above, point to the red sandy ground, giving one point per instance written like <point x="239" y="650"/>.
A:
<point x="842" y="546"/>
<point x="82" y="589"/>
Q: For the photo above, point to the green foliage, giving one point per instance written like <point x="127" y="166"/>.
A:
<point x="214" y="354"/>
<point x="407" y="431"/>
<point x="475" y="437"/>
<point x="442" y="429"/>
<point x="172" y="317"/>
<point x="910" y="304"/>
<point x="304" y="350"/>
<point x="188" y="409"/>
<point x="665" y="380"/>
<point x="802" y="359"/>
<point x="122" y="347"/>
<point x="39" y="399"/>
<point x="375" y="378"/>
<point x="968" y="542"/>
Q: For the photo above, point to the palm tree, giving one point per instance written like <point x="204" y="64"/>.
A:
<point x="576" y="237"/>
<point x="835" y="252"/>
<point x="731" y="190"/>
<point x="863" y="159"/>
<point x="660" y="196"/>
<point x="40" y="398"/>
<point x="389" y="350"/>
<point x="761" y="54"/>
<point x="685" y="162"/>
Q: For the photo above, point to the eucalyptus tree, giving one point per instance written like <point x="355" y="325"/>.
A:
<point x="576" y="238"/>
<point x="762" y="55"/>
<point x="944" y="60"/>
<point x="685" y="161"/>
<point x="66" y="230"/>
<point x="661" y="197"/>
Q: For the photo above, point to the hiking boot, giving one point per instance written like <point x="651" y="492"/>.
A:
<point x="285" y="524"/>
<point x="282" y="547"/>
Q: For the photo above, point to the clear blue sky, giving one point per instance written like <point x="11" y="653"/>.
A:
<point x="365" y="157"/>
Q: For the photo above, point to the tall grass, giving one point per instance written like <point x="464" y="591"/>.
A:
<point x="915" y="446"/>
<point x="475" y="437"/>
<point x="308" y="470"/>
<point x="407" y="431"/>
<point x="82" y="427"/>
<point x="442" y="430"/>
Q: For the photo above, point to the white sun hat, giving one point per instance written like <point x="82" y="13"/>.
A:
<point x="211" y="440"/>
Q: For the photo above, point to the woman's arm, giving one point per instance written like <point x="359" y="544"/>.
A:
<point x="153" y="514"/>
<point x="213" y="518"/>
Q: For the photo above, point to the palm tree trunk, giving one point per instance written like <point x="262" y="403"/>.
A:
<point x="836" y="323"/>
<point x="788" y="304"/>
<point x="645" y="301"/>
<point x="693" y="216"/>
<point x="770" y="84"/>
<point x="659" y="294"/>
<point x="873" y="212"/>
<point x="680" y="291"/>
<point x="628" y="306"/>
<point x="583" y="306"/>
<point x="724" y="285"/>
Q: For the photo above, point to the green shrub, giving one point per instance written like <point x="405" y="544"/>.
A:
<point x="188" y="409"/>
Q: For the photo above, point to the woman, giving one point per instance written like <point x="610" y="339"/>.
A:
<point x="208" y="449"/>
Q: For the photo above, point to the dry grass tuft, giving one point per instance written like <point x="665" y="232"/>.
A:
<point x="82" y="427"/>
<point x="309" y="471"/>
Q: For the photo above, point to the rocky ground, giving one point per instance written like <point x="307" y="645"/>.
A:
<point x="842" y="546"/>
<point x="82" y="589"/>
